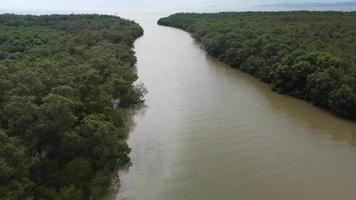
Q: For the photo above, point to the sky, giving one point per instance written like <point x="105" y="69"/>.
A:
<point x="139" y="5"/>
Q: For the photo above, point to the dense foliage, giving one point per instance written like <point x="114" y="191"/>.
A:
<point x="60" y="136"/>
<point x="309" y="55"/>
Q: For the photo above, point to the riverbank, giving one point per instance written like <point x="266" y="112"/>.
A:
<point x="307" y="55"/>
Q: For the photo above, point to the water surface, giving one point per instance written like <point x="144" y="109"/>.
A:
<point x="212" y="132"/>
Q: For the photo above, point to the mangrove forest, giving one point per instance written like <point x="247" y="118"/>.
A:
<point x="66" y="83"/>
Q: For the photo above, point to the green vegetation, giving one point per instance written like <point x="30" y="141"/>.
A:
<point x="60" y="136"/>
<point x="309" y="55"/>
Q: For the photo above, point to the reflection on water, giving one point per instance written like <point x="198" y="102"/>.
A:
<point x="213" y="132"/>
<point x="304" y="112"/>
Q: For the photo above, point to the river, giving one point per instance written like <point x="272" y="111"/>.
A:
<point x="209" y="132"/>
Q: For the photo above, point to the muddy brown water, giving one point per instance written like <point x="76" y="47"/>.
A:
<point x="212" y="132"/>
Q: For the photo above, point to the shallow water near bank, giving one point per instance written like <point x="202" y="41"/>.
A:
<point x="210" y="132"/>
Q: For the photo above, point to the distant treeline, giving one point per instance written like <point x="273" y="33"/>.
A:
<point x="309" y="55"/>
<point x="60" y="137"/>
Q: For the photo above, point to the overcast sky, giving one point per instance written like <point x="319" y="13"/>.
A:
<point x="139" y="5"/>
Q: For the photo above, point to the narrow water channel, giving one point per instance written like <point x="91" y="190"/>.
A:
<point x="212" y="132"/>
